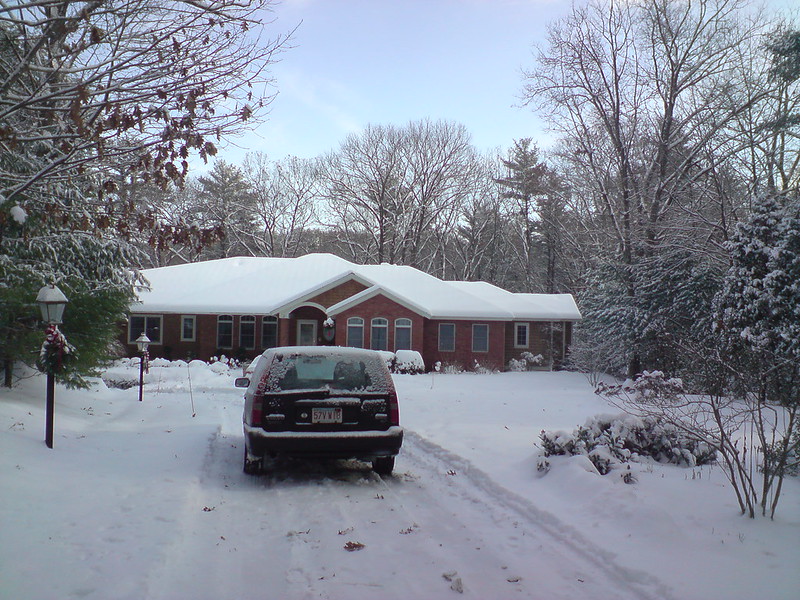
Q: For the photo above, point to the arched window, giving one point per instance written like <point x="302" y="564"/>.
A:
<point x="355" y="332"/>
<point x="379" y="334"/>
<point x="402" y="334"/>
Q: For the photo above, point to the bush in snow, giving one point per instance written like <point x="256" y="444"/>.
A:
<point x="609" y="441"/>
<point x="409" y="361"/>
<point x="525" y="362"/>
<point x="449" y="368"/>
<point x="229" y="362"/>
<point x="483" y="369"/>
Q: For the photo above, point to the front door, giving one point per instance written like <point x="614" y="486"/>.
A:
<point x="306" y="333"/>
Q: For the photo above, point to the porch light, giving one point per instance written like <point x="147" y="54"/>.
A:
<point x="52" y="302"/>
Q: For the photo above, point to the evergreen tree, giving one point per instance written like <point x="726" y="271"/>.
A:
<point x="226" y="203"/>
<point x="758" y="310"/>
<point x="535" y="211"/>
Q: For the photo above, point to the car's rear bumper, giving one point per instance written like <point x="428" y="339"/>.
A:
<point x="331" y="444"/>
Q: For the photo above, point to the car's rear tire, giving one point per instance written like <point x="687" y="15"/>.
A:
<point x="383" y="465"/>
<point x="252" y="465"/>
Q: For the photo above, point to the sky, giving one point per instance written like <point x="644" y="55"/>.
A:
<point x="357" y="62"/>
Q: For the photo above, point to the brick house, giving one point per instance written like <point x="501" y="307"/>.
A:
<point x="241" y="306"/>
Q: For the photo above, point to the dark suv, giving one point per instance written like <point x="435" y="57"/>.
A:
<point x="319" y="401"/>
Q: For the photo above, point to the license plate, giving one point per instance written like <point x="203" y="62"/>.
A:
<point x="326" y="415"/>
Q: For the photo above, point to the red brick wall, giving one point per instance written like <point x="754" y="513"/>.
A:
<point x="205" y="344"/>
<point x="424" y="336"/>
<point x="381" y="306"/>
<point x="539" y="341"/>
<point x="463" y="357"/>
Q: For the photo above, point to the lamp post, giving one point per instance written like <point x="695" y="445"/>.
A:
<point x="52" y="303"/>
<point x="142" y="342"/>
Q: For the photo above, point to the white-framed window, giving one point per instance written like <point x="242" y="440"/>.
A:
<point x="247" y="332"/>
<point x="188" y="328"/>
<point x="355" y="332"/>
<point x="269" y="332"/>
<point x="520" y="335"/>
<point x="379" y="334"/>
<point x="402" y="334"/>
<point x="149" y="324"/>
<point x="480" y="337"/>
<point x="447" y="337"/>
<point x="225" y="331"/>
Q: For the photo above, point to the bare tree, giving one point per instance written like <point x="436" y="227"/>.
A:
<point x="144" y="83"/>
<point x="286" y="194"/>
<point x="390" y="189"/>
<point x="644" y="95"/>
<point x="366" y="195"/>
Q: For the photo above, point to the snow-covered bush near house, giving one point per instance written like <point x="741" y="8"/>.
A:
<point x="611" y="440"/>
<point x="388" y="358"/>
<point x="409" y="362"/>
<point x="228" y="361"/>
<point x="481" y="369"/>
<point x="517" y="366"/>
<point x="448" y="368"/>
<point x="526" y="361"/>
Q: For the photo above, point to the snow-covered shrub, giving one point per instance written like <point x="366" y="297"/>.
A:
<point x="228" y="361"/>
<point x="525" y="362"/>
<point x="483" y="369"/>
<point x="389" y="359"/>
<point x="610" y="440"/>
<point x="517" y="365"/>
<point x="409" y="361"/>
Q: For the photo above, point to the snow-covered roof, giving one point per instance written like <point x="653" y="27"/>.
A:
<point x="259" y="285"/>
<point x="525" y="307"/>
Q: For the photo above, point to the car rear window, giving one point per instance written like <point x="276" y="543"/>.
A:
<point x="333" y="372"/>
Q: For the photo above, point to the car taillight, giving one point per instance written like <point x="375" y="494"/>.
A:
<point x="394" y="409"/>
<point x="256" y="411"/>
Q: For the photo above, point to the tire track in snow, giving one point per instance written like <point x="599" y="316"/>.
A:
<point x="469" y="483"/>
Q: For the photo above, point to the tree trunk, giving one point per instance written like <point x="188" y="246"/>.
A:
<point x="8" y="371"/>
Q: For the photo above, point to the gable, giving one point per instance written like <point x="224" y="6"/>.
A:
<point x="341" y="292"/>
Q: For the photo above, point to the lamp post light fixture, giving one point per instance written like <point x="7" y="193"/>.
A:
<point x="142" y="342"/>
<point x="52" y="303"/>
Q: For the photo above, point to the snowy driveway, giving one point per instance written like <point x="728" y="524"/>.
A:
<point x="336" y="530"/>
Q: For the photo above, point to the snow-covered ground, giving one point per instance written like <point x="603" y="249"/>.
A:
<point x="148" y="501"/>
